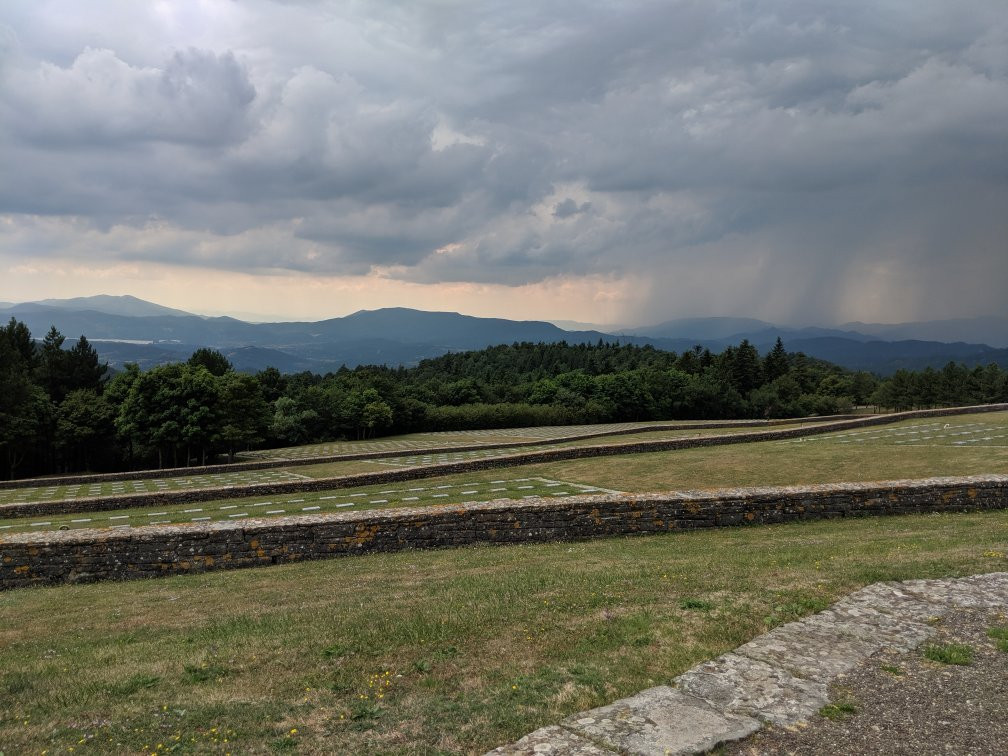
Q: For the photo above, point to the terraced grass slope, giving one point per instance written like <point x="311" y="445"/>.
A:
<point x="960" y="445"/>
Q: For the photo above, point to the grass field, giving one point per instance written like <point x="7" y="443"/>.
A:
<point x="429" y="652"/>
<point x="455" y="489"/>
<point x="421" y="460"/>
<point x="432" y="440"/>
<point x="458" y="651"/>
<point x="904" y="450"/>
<point x="111" y="488"/>
<point x="29" y="493"/>
<point x="970" y="444"/>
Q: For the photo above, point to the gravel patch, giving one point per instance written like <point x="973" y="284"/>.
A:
<point x="904" y="703"/>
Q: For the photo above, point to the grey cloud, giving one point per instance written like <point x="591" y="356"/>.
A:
<point x="515" y="141"/>
<point x="569" y="208"/>
<point x="197" y="97"/>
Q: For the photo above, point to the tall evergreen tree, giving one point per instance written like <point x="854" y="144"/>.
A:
<point x="19" y="338"/>
<point x="776" y="362"/>
<point x="746" y="368"/>
<point x="20" y="400"/>
<point x="84" y="371"/>
<point x="52" y="370"/>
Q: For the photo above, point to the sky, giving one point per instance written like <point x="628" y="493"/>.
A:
<point x="798" y="161"/>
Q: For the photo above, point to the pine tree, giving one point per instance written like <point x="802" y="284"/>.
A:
<point x="84" y="371"/>
<point x="776" y="362"/>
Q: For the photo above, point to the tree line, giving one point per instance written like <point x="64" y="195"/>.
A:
<point x="62" y="410"/>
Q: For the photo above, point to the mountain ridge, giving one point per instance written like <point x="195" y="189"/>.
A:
<point x="404" y="336"/>
<point x="124" y="304"/>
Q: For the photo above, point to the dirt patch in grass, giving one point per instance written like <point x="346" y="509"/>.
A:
<point x="905" y="703"/>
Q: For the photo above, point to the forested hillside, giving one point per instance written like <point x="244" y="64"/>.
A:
<point x="60" y="410"/>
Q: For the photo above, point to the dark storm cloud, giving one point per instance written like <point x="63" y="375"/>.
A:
<point x="569" y="208"/>
<point x="776" y="151"/>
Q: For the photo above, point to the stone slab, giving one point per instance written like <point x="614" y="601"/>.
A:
<point x="660" y="721"/>
<point x="977" y="592"/>
<point x="896" y="599"/>
<point x="994" y="583"/>
<point x="807" y="651"/>
<point x="551" y="741"/>
<point x="874" y="627"/>
<point x="740" y="685"/>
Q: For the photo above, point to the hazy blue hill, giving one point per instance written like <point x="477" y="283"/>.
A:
<point x="768" y="336"/>
<point x="700" y="328"/>
<point x="187" y="329"/>
<point x="992" y="331"/>
<point x="886" y="357"/>
<point x="248" y="359"/>
<point x="371" y="352"/>
<point x="578" y="325"/>
<point x="415" y="326"/>
<point x="986" y="330"/>
<point x="118" y="353"/>
<point x="252" y="359"/>
<point x="123" y="305"/>
<point x="396" y="324"/>
<point x="440" y="331"/>
<point x="391" y="336"/>
<point x="402" y="336"/>
<point x="726" y="331"/>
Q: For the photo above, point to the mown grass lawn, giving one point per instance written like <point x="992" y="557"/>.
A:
<point x="40" y="492"/>
<point x="864" y="455"/>
<point x="456" y="489"/>
<point x="544" y="433"/>
<point x="911" y="449"/>
<point x="429" y="652"/>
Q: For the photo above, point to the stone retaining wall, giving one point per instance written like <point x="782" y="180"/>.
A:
<point x="161" y="498"/>
<point x="153" y="551"/>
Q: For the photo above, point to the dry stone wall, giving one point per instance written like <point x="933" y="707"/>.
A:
<point x="91" y="555"/>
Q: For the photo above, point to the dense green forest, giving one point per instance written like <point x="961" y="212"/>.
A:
<point x="61" y="410"/>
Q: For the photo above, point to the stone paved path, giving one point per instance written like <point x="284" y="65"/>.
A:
<point x="781" y="677"/>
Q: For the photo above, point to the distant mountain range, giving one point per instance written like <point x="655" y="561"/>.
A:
<point x="991" y="331"/>
<point x="127" y="329"/>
